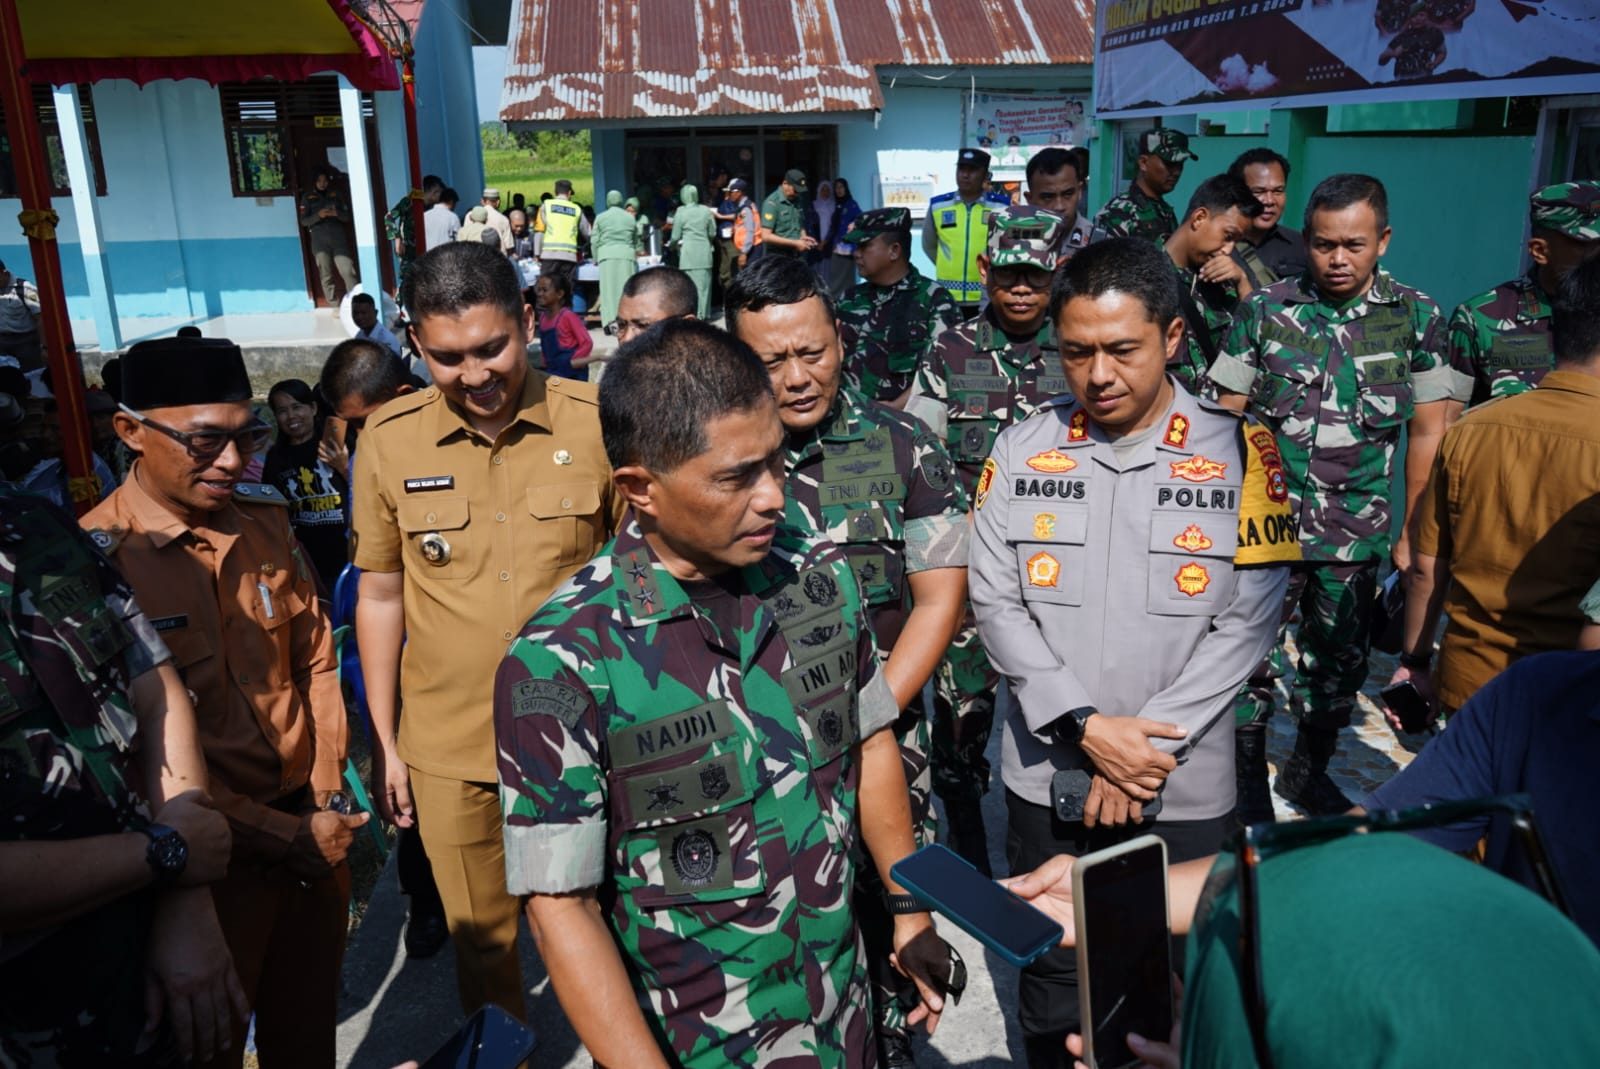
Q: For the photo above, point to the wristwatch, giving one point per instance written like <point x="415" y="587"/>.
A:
<point x="899" y="904"/>
<point x="1415" y="660"/>
<point x="167" y="854"/>
<point x="1070" y="726"/>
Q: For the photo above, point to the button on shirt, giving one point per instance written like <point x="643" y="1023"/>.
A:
<point x="1514" y="508"/>
<point x="483" y="532"/>
<point x="234" y="601"/>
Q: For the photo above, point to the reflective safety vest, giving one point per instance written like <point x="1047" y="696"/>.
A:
<point x="963" y="232"/>
<point x="561" y="229"/>
<point x="747" y="220"/>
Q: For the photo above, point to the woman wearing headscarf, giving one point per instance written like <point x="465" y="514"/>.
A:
<point x="613" y="241"/>
<point x="694" y="232"/>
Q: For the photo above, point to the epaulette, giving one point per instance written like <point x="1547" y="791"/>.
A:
<point x="399" y="406"/>
<point x="259" y="494"/>
<point x="942" y="197"/>
<point x="997" y="198"/>
<point x="1060" y="400"/>
<point x="574" y="389"/>
<point x="1221" y="409"/>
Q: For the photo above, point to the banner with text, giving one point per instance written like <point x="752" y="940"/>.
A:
<point x="1177" y="56"/>
<point x="1012" y="127"/>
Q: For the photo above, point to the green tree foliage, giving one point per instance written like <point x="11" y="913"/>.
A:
<point x="545" y="148"/>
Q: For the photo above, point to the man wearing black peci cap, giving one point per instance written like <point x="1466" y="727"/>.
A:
<point x="955" y="232"/>
<point x="216" y="568"/>
<point x="782" y="220"/>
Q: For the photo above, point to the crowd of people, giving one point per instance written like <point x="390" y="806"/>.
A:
<point x="671" y="668"/>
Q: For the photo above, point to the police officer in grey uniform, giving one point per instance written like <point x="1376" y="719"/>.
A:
<point x="1129" y="554"/>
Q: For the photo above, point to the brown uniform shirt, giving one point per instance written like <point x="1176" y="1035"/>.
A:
<point x="484" y="532"/>
<point x="235" y="603"/>
<point x="1514" y="508"/>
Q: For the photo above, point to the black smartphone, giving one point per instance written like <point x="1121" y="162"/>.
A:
<point x="942" y="880"/>
<point x="1069" y="790"/>
<point x="1119" y="902"/>
<point x="1409" y="705"/>
<point x="491" y="1039"/>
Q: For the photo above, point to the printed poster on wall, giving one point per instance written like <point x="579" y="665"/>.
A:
<point x="1012" y="127"/>
<point x="1176" y="56"/>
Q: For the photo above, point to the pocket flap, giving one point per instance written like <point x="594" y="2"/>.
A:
<point x="1198" y="535"/>
<point x="188" y="645"/>
<point x="1038" y="522"/>
<point x="431" y="514"/>
<point x="555" y="500"/>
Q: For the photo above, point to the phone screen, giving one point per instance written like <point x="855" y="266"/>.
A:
<point x="1129" y="953"/>
<point x="491" y="1039"/>
<point x="940" y="878"/>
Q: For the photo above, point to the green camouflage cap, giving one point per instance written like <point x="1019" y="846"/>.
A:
<point x="1570" y="208"/>
<point x="1025" y="235"/>
<point x="869" y="225"/>
<point x="1169" y="144"/>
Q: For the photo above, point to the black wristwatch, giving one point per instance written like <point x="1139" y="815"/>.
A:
<point x="167" y="854"/>
<point x="1415" y="660"/>
<point x="899" y="904"/>
<point x="1070" y="726"/>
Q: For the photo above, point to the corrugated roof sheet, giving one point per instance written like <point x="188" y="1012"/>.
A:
<point x="582" y="60"/>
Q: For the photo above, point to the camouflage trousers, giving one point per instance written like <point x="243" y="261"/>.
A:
<point x="1335" y="605"/>
<point x="872" y="912"/>
<point x="963" y="714"/>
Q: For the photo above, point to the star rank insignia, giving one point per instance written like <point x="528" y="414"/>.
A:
<point x="1177" y="434"/>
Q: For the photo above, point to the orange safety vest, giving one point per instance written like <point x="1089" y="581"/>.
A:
<point x="740" y="230"/>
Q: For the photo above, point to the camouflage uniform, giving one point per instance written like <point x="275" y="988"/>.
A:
<point x="1336" y="386"/>
<point x="73" y="641"/>
<point x="1136" y="213"/>
<point x="700" y="768"/>
<point x="1501" y="339"/>
<point x="885" y="331"/>
<point x="401" y="225"/>
<point x="872" y="481"/>
<point x="976" y="382"/>
<point x="1216" y="303"/>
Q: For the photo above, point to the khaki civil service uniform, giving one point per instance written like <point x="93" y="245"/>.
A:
<point x="483" y="532"/>
<point x="235" y="602"/>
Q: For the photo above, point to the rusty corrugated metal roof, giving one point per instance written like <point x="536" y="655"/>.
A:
<point x="583" y="60"/>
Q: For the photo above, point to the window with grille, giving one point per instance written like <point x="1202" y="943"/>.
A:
<point x="44" y="110"/>
<point x="259" y="119"/>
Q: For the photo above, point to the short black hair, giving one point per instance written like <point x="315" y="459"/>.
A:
<point x="1135" y="266"/>
<point x="1575" y="315"/>
<point x="1251" y="157"/>
<point x="1221" y="193"/>
<point x="190" y="331"/>
<point x="1337" y="192"/>
<point x="561" y="280"/>
<point x="1053" y="160"/>
<point x="773" y="280"/>
<point x="298" y="389"/>
<point x="448" y="196"/>
<point x="662" y="389"/>
<point x="673" y="288"/>
<point x="459" y="275"/>
<point x="563" y="186"/>
<point x="363" y="298"/>
<point x="361" y="368"/>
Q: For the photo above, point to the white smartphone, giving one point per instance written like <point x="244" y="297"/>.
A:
<point x="1119" y="899"/>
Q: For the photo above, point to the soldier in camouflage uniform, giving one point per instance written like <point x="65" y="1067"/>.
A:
<point x="96" y="734"/>
<point x="1502" y="338"/>
<point x="1336" y="362"/>
<point x="874" y="482"/>
<point x="1143" y="210"/>
<point x="400" y="226"/>
<point x="979" y="379"/>
<point x="689" y="731"/>
<point x="888" y="320"/>
<point x="1211" y="282"/>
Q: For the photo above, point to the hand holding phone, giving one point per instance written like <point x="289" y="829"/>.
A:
<point x="942" y="880"/>
<point x="1119" y="897"/>
<point x="1407" y="703"/>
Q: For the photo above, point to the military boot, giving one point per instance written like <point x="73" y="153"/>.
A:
<point x="894" y="1048"/>
<point x="1304" y="780"/>
<point x="967" y="836"/>
<point x="1254" y="803"/>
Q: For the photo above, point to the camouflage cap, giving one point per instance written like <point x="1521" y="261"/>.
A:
<point x="1570" y="208"/>
<point x="869" y="225"/>
<point x="1023" y="235"/>
<point x="1169" y="144"/>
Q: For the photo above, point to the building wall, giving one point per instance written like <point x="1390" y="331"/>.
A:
<point x="447" y="101"/>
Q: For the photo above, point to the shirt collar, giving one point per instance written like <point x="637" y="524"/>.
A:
<point x="533" y="408"/>
<point x="1571" y="382"/>
<point x="160" y="523"/>
<point x="1382" y="292"/>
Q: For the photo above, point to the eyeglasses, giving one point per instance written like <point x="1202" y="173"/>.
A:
<point x="625" y="328"/>
<point x="208" y="445"/>
<point x="1011" y="277"/>
<point x="1256" y="843"/>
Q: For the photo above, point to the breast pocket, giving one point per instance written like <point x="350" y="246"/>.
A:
<point x="1386" y="393"/>
<point x="1050" y="545"/>
<point x="569" y="522"/>
<point x="688" y="829"/>
<point x="439" y="541"/>
<point x="1276" y="396"/>
<point x="1191" y="563"/>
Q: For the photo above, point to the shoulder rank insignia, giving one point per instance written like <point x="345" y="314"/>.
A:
<point x="1078" y="427"/>
<point x="1177" y="434"/>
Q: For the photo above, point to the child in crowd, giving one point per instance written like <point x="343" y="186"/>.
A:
<point x="564" y="341"/>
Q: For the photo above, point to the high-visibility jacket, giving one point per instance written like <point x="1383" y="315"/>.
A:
<point x="746" y="228"/>
<point x="561" y="219"/>
<point x="963" y="232"/>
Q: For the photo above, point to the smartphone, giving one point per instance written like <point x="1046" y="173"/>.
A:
<point x="1119" y="902"/>
<point x="491" y="1039"/>
<point x="942" y="880"/>
<point x="1407" y="702"/>
<point x="1069" y="790"/>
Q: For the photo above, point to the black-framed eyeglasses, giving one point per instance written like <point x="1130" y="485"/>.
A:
<point x="208" y="445"/>
<point x="1258" y="842"/>
<point x="1035" y="278"/>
